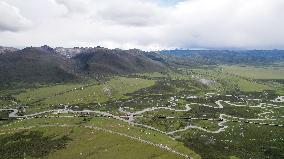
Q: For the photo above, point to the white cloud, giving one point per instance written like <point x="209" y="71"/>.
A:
<point x="123" y="12"/>
<point x="148" y="24"/>
<point x="11" y="19"/>
<point x="137" y="13"/>
<point x="228" y="23"/>
<point x="77" y="6"/>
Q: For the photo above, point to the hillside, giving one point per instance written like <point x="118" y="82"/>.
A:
<point x="34" y="65"/>
<point x="47" y="65"/>
<point x="106" y="61"/>
<point x="251" y="57"/>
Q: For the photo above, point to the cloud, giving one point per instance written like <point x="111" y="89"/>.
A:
<point x="147" y="24"/>
<point x="137" y="13"/>
<point x="77" y="6"/>
<point x="228" y="23"/>
<point x="11" y="19"/>
<point x="123" y="12"/>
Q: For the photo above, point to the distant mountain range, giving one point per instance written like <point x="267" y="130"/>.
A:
<point x="249" y="57"/>
<point x="45" y="64"/>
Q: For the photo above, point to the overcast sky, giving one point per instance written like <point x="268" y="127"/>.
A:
<point x="144" y="24"/>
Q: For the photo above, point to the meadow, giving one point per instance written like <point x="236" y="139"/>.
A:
<point x="253" y="72"/>
<point x="249" y="130"/>
<point x="97" y="137"/>
<point x="116" y="88"/>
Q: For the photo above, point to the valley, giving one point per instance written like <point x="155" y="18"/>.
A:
<point x="141" y="79"/>
<point x="174" y="104"/>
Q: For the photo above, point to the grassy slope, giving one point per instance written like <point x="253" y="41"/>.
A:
<point x="90" y="143"/>
<point x="32" y="95"/>
<point x="114" y="89"/>
<point x="97" y="144"/>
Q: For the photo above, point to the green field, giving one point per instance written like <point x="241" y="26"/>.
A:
<point x="256" y="72"/>
<point x="229" y="82"/>
<point x="116" y="88"/>
<point x="69" y="138"/>
<point x="230" y="113"/>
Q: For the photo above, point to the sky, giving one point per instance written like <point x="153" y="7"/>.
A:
<point x="143" y="24"/>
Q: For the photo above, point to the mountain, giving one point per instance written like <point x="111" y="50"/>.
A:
<point x="4" y="50"/>
<point x="35" y="65"/>
<point x="45" y="64"/>
<point x="106" y="61"/>
<point x="250" y="57"/>
<point x="52" y="65"/>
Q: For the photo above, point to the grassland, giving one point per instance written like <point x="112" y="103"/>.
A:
<point x="270" y="76"/>
<point x="116" y="88"/>
<point x="33" y="95"/>
<point x="239" y="141"/>
<point x="6" y="103"/>
<point x="137" y="92"/>
<point x="217" y="78"/>
<point x="85" y="142"/>
<point x="256" y="72"/>
<point x="229" y="82"/>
